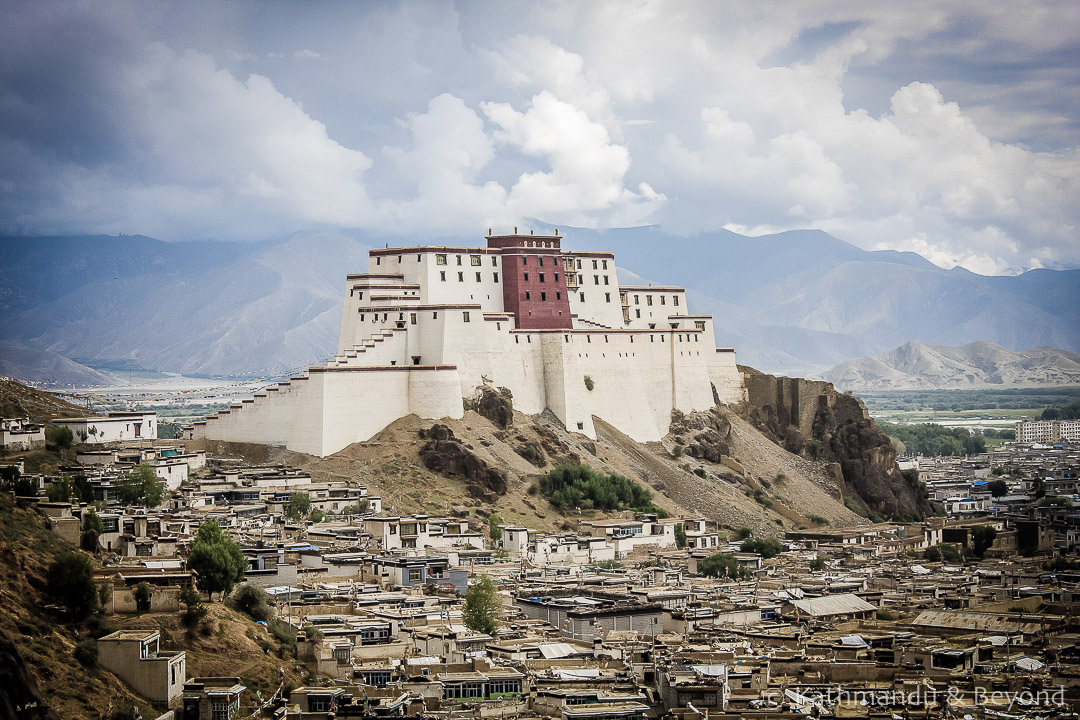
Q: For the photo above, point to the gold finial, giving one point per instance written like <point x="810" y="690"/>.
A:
<point x="556" y="232"/>
<point x="515" y="229"/>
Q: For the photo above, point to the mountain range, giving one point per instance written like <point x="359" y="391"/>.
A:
<point x="917" y="366"/>
<point x="794" y="302"/>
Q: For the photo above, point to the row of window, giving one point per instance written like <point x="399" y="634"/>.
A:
<point x="649" y="299"/>
<point x="461" y="276"/>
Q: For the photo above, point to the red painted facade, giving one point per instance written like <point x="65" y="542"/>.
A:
<point x="534" y="285"/>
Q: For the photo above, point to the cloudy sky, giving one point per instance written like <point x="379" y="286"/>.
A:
<point x="948" y="128"/>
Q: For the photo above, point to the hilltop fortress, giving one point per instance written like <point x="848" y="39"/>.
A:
<point x="427" y="327"/>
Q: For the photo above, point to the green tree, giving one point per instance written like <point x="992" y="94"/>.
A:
<point x="91" y="521"/>
<point x="982" y="537"/>
<point x="722" y="565"/>
<point x="743" y="533"/>
<point x="817" y="565"/>
<point x="217" y="559"/>
<point x="58" y="436"/>
<point x="16" y="482"/>
<point x="494" y="528"/>
<point x="766" y="548"/>
<point x="942" y="551"/>
<point x="317" y="516"/>
<point x="71" y="583"/>
<point x="253" y="601"/>
<point x="999" y="488"/>
<point x="142" y="596"/>
<point x="58" y="491"/>
<point x="140" y="487"/>
<point x="680" y="536"/>
<point x="298" y="507"/>
<point x="482" y="606"/>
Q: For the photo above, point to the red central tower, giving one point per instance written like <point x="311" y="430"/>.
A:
<point x="534" y="283"/>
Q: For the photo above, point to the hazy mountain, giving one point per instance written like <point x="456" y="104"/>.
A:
<point x="792" y="302"/>
<point x="803" y="301"/>
<point x="28" y="364"/>
<point x="916" y="365"/>
<point x="211" y="308"/>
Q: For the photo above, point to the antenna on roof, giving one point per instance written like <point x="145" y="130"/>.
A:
<point x="515" y="229"/>
<point x="556" y="232"/>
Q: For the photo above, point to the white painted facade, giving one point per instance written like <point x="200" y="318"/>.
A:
<point x="114" y="427"/>
<point x="427" y="327"/>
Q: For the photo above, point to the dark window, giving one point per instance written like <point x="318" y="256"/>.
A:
<point x="528" y="295"/>
<point x="526" y="277"/>
<point x="477" y="277"/>
<point x="543" y="297"/>
<point x="442" y="275"/>
<point x="607" y="297"/>
<point x="461" y="277"/>
<point x="541" y="277"/>
<point x="558" y="295"/>
<point x="465" y="316"/>
<point x="496" y="277"/>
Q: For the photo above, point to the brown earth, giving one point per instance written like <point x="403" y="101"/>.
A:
<point x="37" y="643"/>
<point x="18" y="400"/>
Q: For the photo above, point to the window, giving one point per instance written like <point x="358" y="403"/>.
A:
<point x="637" y="314"/>
<point x="675" y="301"/>
<point x="593" y="264"/>
<point x="442" y="275"/>
<point x="526" y="277"/>
<point x="494" y="261"/>
<point x="540" y="261"/>
<point x="415" y="574"/>
<point x="465" y="316"/>
<point x="581" y="297"/>
<point x="440" y="259"/>
<point x="558" y="295"/>
<point x="524" y="261"/>
<point x="606" y="280"/>
<point x="417" y="258"/>
<point x="556" y="277"/>
<point x="528" y="295"/>
<point x="412" y="318"/>
<point x="637" y="299"/>
<point x="378" y="261"/>
<point x="607" y="297"/>
<point x="461" y="277"/>
<point x="543" y="297"/>
<point x="319" y="703"/>
<point x="579" y="264"/>
<point x="343" y="655"/>
<point x="699" y="324"/>
<point x="541" y="277"/>
<point x="458" y="259"/>
<point x="435" y="315"/>
<point x="648" y="300"/>
<point x="474" y="260"/>
<point x="605" y="264"/>
<point x="496" y="276"/>
<point x="663" y="299"/>
<point x="477" y="277"/>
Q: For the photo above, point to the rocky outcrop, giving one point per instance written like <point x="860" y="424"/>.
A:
<point x="19" y="694"/>
<point x="811" y="419"/>
<point x="445" y="454"/>
<point x="703" y="435"/>
<point x="496" y="405"/>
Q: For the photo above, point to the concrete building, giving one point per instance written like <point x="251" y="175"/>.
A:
<point x="135" y="656"/>
<point x="429" y="326"/>
<point x="114" y="427"/>
<point x="21" y="434"/>
<point x="1048" y="431"/>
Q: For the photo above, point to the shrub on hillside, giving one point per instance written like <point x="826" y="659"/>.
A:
<point x="578" y="486"/>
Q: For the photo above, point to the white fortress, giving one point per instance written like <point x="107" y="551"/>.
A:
<point x="426" y="327"/>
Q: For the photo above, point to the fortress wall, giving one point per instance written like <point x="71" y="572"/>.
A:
<point x="349" y="405"/>
<point x="726" y="378"/>
<point x="266" y="420"/>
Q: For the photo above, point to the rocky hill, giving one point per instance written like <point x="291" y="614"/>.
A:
<point x="39" y="675"/>
<point x="811" y="419"/>
<point x="725" y="465"/>
<point x="918" y="366"/>
<point x="18" y="400"/>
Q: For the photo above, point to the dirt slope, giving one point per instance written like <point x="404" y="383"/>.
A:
<point x="775" y="490"/>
